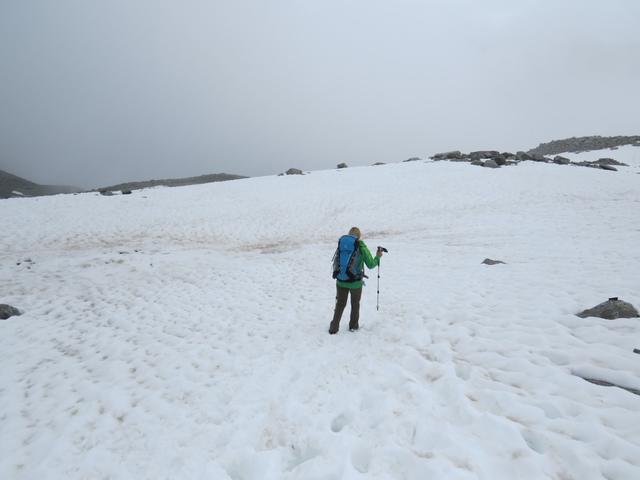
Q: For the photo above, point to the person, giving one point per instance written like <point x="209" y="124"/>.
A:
<point x="353" y="288"/>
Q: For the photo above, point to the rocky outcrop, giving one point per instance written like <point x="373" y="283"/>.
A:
<point x="488" y="261"/>
<point x="610" y="310"/>
<point x="294" y="171"/>
<point x="173" y="182"/>
<point x="583" y="144"/>
<point x="7" y="311"/>
<point x="342" y="165"/>
<point x="14" y="186"/>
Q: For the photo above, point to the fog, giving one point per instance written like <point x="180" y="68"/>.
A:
<point x="96" y="93"/>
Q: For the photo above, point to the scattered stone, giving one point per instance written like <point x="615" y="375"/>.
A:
<point x="537" y="157"/>
<point x="610" y="161"/>
<point x="608" y="167"/>
<point x="520" y="155"/>
<point x="488" y="261"/>
<point x="561" y="160"/>
<point x="636" y="350"/>
<point x="106" y="193"/>
<point x="7" y="311"/>
<point x="610" y="310"/>
<point x="342" y="165"/>
<point x="412" y="159"/>
<point x="500" y="160"/>
<point x="605" y="383"/>
<point x="126" y="192"/>
<point x="294" y="171"/>
<point x="490" y="164"/>
<point x="455" y="154"/>
<point x="382" y="163"/>
<point x="480" y="163"/>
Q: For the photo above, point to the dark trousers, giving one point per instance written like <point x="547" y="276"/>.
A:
<point x="341" y="302"/>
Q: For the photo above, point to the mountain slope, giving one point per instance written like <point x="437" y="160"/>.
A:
<point x="174" y="182"/>
<point x="14" y="186"/>
<point x="182" y="333"/>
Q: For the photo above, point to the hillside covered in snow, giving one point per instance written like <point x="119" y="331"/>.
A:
<point x="181" y="333"/>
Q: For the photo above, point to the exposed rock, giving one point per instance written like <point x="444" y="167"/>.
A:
<point x="342" y="165"/>
<point x="608" y="167"/>
<point x="610" y="310"/>
<point x="455" y="154"/>
<point x="382" y="163"/>
<point x="605" y="383"/>
<point x="561" y="160"/>
<point x="500" y="160"/>
<point x="583" y="144"/>
<point x="126" y="192"/>
<point x="173" y="182"/>
<point x="480" y="163"/>
<point x="610" y="161"/>
<point x="412" y="159"/>
<point x="636" y="350"/>
<point x="488" y="261"/>
<point x="294" y="171"/>
<point x="523" y="156"/>
<point x="106" y="193"/>
<point x="7" y="311"/>
<point x="537" y="157"/>
<point x="490" y="164"/>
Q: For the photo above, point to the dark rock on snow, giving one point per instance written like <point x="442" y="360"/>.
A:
<point x="412" y="159"/>
<point x="488" y="261"/>
<point x="490" y="164"/>
<point x="7" y="311"/>
<point x="561" y="160"/>
<point x="610" y="310"/>
<point x="126" y="192"/>
<point x="106" y="193"/>
<point x="342" y="165"/>
<point x="294" y="171"/>
<point x="608" y="167"/>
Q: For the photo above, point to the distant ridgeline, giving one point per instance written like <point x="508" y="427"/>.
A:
<point x="14" y="186"/>
<point x="583" y="144"/>
<point x="172" y="182"/>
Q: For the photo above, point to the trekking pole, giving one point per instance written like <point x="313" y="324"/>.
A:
<point x="378" y="295"/>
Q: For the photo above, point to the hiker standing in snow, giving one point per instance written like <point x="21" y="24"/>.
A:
<point x="348" y="270"/>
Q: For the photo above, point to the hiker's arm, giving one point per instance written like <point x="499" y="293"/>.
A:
<point x="369" y="260"/>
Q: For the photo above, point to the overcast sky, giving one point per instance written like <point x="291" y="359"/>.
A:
<point x="95" y="92"/>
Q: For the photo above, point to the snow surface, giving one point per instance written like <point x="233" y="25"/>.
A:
<point x="181" y="333"/>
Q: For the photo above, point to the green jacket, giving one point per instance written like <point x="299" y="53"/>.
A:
<point x="365" y="258"/>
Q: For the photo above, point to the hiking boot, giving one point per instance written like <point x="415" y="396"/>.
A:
<point x="353" y="329"/>
<point x="332" y="332"/>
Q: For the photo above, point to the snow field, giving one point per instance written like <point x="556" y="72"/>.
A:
<point x="202" y="352"/>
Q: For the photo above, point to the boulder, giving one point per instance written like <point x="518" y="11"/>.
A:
<point x="610" y="161"/>
<point x="106" y="193"/>
<point x="610" y="310"/>
<point x="500" y="160"/>
<point x="608" y="167"/>
<point x="480" y="163"/>
<point x="561" y="160"/>
<point x="342" y="165"/>
<point x="490" y="164"/>
<point x="454" y="154"/>
<point x="536" y="157"/>
<point x="294" y="171"/>
<point x="412" y="159"/>
<point x="488" y="261"/>
<point x="126" y="192"/>
<point x="520" y="155"/>
<point x="382" y="163"/>
<point x="7" y="311"/>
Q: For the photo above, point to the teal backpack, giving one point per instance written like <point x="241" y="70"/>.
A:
<point x="347" y="264"/>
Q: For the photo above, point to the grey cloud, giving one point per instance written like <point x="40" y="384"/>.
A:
<point x="101" y="92"/>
